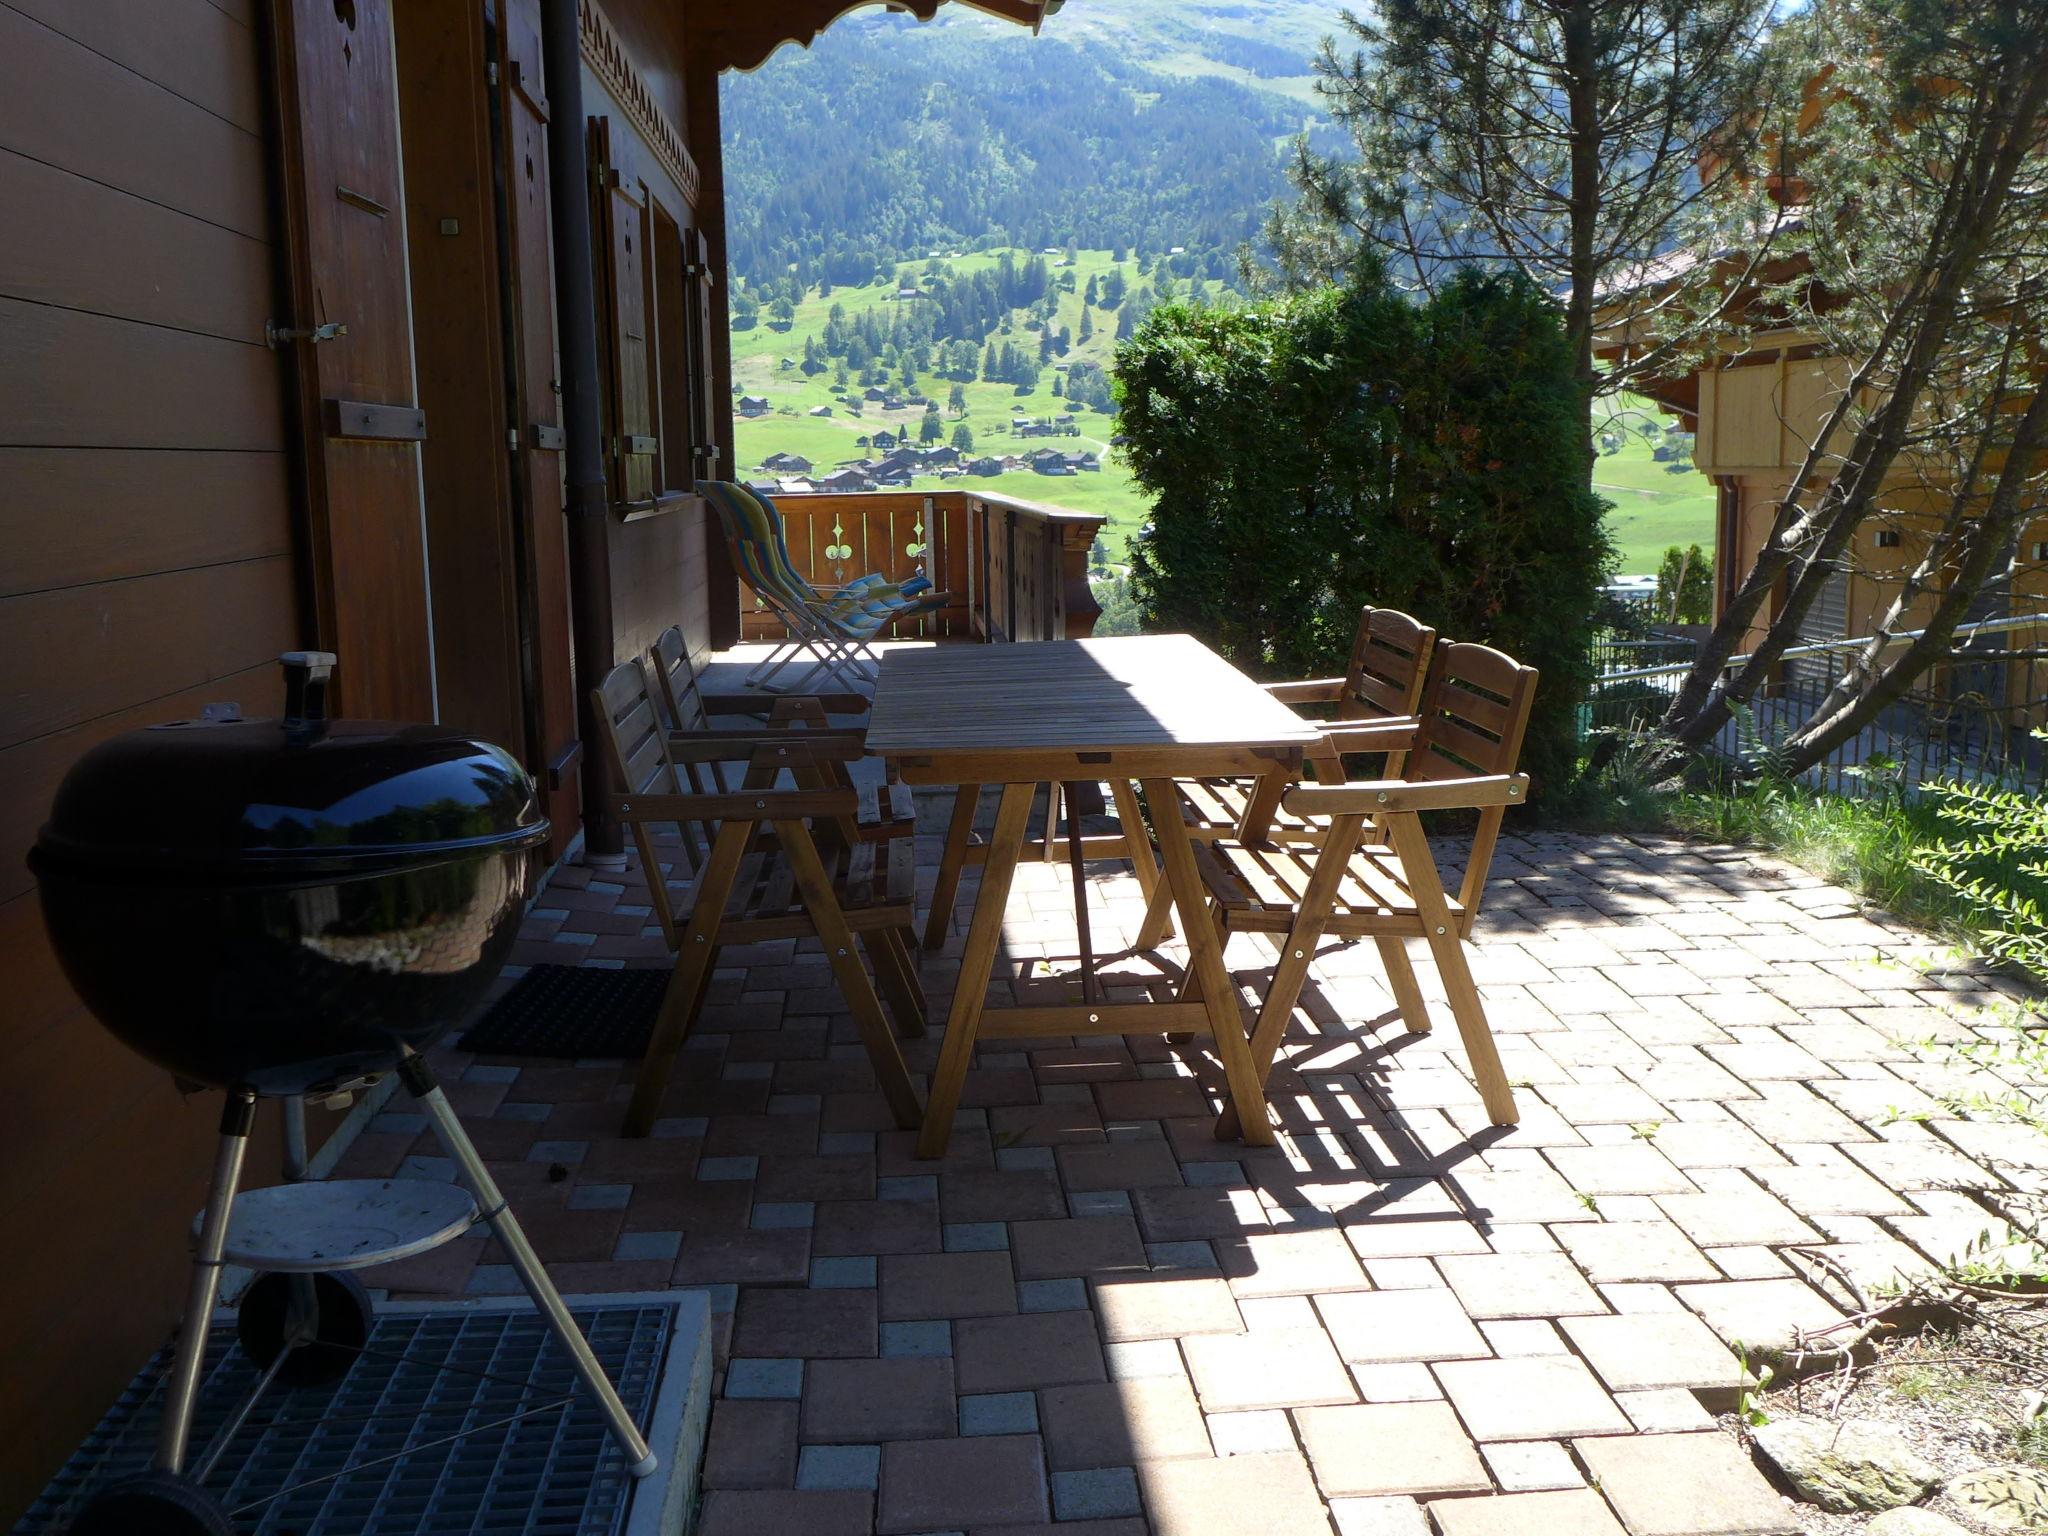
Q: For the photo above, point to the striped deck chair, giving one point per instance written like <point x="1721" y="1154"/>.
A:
<point x="834" y="625"/>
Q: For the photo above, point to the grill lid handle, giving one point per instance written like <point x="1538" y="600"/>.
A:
<point x="305" y="690"/>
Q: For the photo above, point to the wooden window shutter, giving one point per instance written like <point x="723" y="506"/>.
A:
<point x="704" y="389"/>
<point x="623" y="238"/>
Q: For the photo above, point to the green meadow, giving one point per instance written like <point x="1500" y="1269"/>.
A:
<point x="1653" y="507"/>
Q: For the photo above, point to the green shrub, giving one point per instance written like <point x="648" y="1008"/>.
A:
<point x="1318" y="452"/>
<point x="1991" y="855"/>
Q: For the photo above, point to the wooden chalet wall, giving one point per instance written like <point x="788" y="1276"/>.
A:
<point x="146" y="569"/>
<point x="652" y="221"/>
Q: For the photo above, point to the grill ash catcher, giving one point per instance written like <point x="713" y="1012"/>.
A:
<point x="289" y="909"/>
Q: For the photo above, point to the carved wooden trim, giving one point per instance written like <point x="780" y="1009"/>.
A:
<point x="607" y="56"/>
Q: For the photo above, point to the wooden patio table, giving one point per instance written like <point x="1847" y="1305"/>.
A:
<point x="1143" y="708"/>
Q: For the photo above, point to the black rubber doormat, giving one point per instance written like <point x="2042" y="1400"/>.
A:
<point x="569" y="1012"/>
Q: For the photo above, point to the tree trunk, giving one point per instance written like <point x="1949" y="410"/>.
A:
<point x="1981" y="541"/>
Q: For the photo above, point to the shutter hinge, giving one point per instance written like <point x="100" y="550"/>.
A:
<point x="512" y="438"/>
<point x="491" y="71"/>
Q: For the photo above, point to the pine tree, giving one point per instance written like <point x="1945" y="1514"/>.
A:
<point x="1087" y="327"/>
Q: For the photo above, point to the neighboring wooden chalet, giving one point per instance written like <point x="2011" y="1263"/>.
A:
<point x="392" y="329"/>
<point x="754" y="405"/>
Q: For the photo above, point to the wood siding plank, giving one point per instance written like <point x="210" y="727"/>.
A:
<point x="146" y="510"/>
<point x="82" y="245"/>
<point x="136" y="135"/>
<point x="84" y="652"/>
<point x="69" y="379"/>
<point x="189" y="47"/>
<point x="30" y="771"/>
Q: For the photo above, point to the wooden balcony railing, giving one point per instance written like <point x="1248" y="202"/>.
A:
<point x="1017" y="570"/>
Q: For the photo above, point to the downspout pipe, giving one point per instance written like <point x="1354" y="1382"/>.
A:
<point x="587" y="506"/>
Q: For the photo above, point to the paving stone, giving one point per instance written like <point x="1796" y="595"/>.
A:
<point x="752" y="1444"/>
<point x="1759" y="1314"/>
<point x="1685" y="1485"/>
<point x="1040" y="1349"/>
<point x="1374" y="1327"/>
<point x="1611" y="1251"/>
<point x="843" y="1274"/>
<point x="1099" y="1493"/>
<point x="820" y="1467"/>
<point x="1247" y="1434"/>
<point x="1157" y="1306"/>
<point x="764" y="1378"/>
<point x="1648" y="1351"/>
<point x="1638" y="1169"/>
<point x="1668" y="1411"/>
<point x="1576" y="1512"/>
<point x="744" y="1258"/>
<point x="1537" y="1195"/>
<point x="1531" y="1466"/>
<point x="978" y="1194"/>
<point x="1281" y="1368"/>
<point x="1398" y="1383"/>
<point x="1117" y="1165"/>
<point x="974" y="1237"/>
<point x="1211" y="1497"/>
<point x="1388" y="1448"/>
<point x="732" y="1513"/>
<point x="1393" y="1516"/>
<point x="875" y="1226"/>
<point x="999" y="1413"/>
<point x="1289" y="1263"/>
<point x="1832" y="1191"/>
<point x="1515" y="1337"/>
<point x="805" y="1324"/>
<point x="1176" y="1215"/>
<point x="1920" y="1165"/>
<point x="934" y="1485"/>
<point x="1075" y="1246"/>
<point x="1715" y="1144"/>
<point x="1519" y="1285"/>
<point x="868" y="1400"/>
<point x="1544" y="1397"/>
<point x="950" y="1285"/>
<point x="1110" y="1424"/>
<point x="1051" y="1295"/>
<point x="901" y="1341"/>
<point x="1726" y="1218"/>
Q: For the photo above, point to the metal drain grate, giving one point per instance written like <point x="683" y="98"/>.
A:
<point x="426" y="1375"/>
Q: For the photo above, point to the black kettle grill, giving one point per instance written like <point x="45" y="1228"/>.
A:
<point x="282" y="908"/>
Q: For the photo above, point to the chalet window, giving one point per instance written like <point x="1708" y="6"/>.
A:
<point x="657" y="351"/>
<point x="1887" y="538"/>
<point x="2041" y="550"/>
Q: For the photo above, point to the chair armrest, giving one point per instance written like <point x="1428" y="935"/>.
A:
<point x="1314" y="690"/>
<point x="768" y="749"/>
<point x="1374" y="797"/>
<point x="1389" y="735"/>
<point x="757" y="705"/>
<point x="752" y="805"/>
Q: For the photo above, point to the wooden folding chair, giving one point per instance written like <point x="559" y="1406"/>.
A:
<point x="1383" y="681"/>
<point x="1461" y="754"/>
<point x="765" y="877"/>
<point x="1374" y="704"/>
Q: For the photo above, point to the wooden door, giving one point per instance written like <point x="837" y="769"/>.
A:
<point x="544" y="599"/>
<point x="622" y="252"/>
<point x="350" y="301"/>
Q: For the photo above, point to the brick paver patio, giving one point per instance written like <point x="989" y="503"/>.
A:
<point x="1093" y="1313"/>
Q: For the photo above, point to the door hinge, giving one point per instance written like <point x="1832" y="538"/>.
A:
<point x="275" y="335"/>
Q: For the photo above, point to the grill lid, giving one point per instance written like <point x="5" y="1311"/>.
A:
<point x="224" y="796"/>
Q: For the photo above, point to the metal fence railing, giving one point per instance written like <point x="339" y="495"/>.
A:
<point x="1972" y="715"/>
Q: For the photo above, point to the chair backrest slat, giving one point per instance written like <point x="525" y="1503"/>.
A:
<point x="1475" y="713"/>
<point x="1389" y="665"/>
<point x="675" y="672"/>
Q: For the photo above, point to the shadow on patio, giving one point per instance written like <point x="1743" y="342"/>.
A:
<point x="1093" y="1309"/>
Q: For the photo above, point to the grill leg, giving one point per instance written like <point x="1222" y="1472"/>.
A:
<point x="237" y="1116"/>
<point x="419" y="1081"/>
